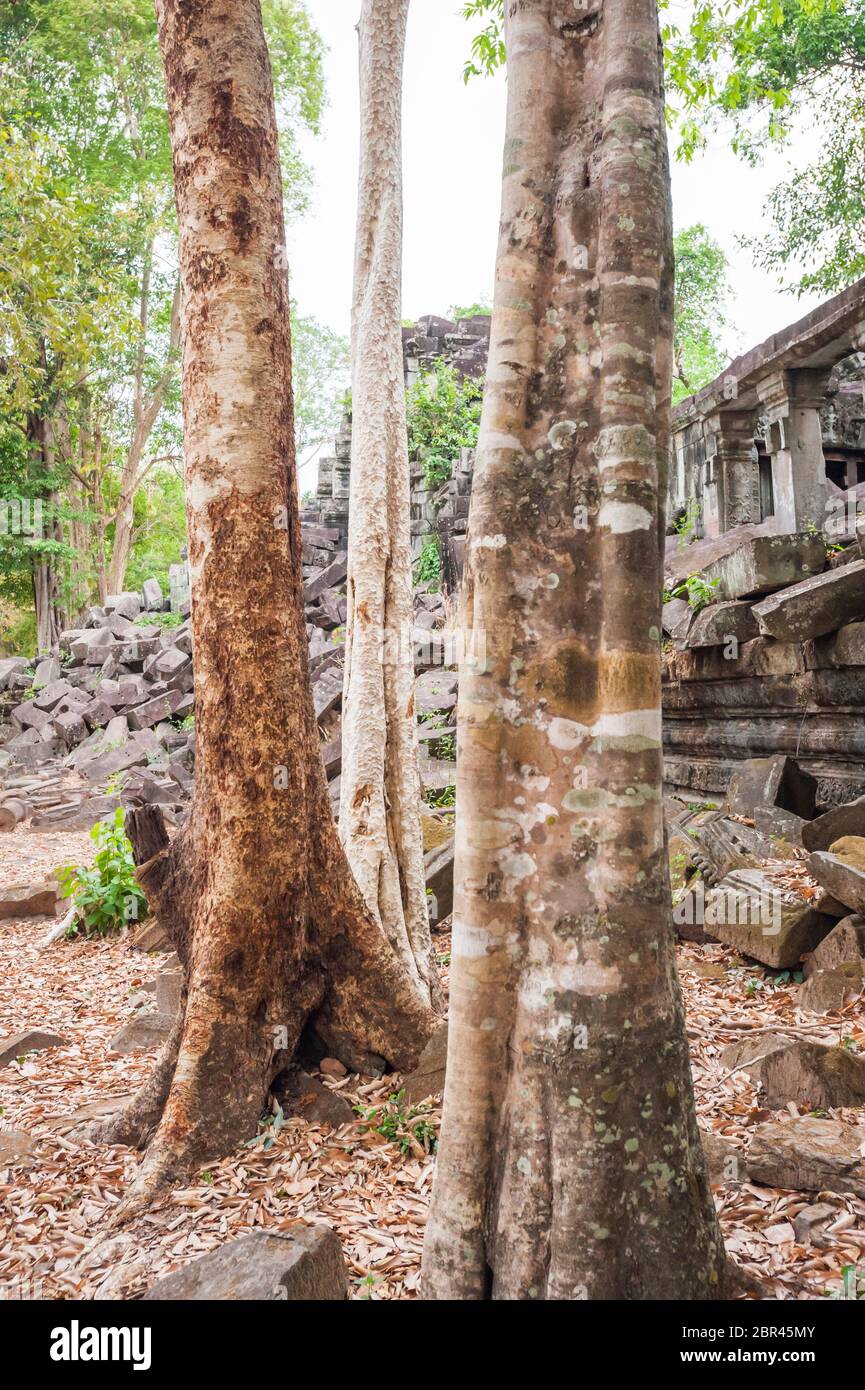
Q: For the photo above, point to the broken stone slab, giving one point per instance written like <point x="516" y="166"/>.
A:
<point x="151" y="595"/>
<point x="29" y="900"/>
<point x="142" y="1032"/>
<point x="146" y="715"/>
<point x="94" y="643"/>
<point x="845" y="942"/>
<point x="127" y="605"/>
<point x="150" y="935"/>
<point x="327" y="579"/>
<point x="439" y="866"/>
<point x="303" y="1264"/>
<point x="308" y="1099"/>
<point x="746" y="565"/>
<point x="428" y="1078"/>
<point x="51" y="694"/>
<point x="719" y="624"/>
<point x="810" y="1223"/>
<point x="843" y="879"/>
<point x="10" y="666"/>
<point x="29" y="716"/>
<point x="816" y="606"/>
<point x="808" y="1155"/>
<point x="813" y="1075"/>
<point x="777" y="783"/>
<point x="719" y="844"/>
<point x="725" y="1160"/>
<point x="750" y="1054"/>
<point x="823" y="831"/>
<point x="47" y="670"/>
<point x="828" y="991"/>
<point x="34" y="1040"/>
<point x="757" y="917"/>
<point x="169" y="986"/>
<point x="676" y="617"/>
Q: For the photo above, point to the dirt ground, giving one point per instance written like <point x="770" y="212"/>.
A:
<point x="56" y="1205"/>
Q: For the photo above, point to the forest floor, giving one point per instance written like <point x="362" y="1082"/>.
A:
<point x="56" y="1205"/>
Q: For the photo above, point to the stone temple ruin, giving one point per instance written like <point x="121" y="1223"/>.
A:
<point x="764" y="624"/>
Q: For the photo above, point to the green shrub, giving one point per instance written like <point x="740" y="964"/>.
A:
<point x="444" y="416"/>
<point x="107" y="896"/>
<point x="429" y="563"/>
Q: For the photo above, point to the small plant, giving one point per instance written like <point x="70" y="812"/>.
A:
<point x="429" y="563"/>
<point x="446" y="747"/>
<point x="686" y="526"/>
<point x="696" y="589"/>
<point x="160" y="620"/>
<point x="442" y="798"/>
<point x="408" y="1128"/>
<point x="107" y="896"/>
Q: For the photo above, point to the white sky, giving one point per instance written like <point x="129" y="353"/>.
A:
<point x="452" y="157"/>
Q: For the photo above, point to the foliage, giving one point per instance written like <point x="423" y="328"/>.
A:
<point x="443" y="417"/>
<point x="488" y="46"/>
<point x="107" y="896"/>
<point x="429" y="563"/>
<point x="166" y="620"/>
<point x="441" y="799"/>
<point x="702" y="292"/>
<point x="319" y="368"/>
<point x="407" y="1128"/>
<point x="469" y="311"/>
<point x="762" y="69"/>
<point x="696" y="589"/>
<point x="686" y="526"/>
<point x="88" y="271"/>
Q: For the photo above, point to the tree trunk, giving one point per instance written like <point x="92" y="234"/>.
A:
<point x="267" y="920"/>
<point x="46" y="584"/>
<point x="381" y="789"/>
<point x="569" y="1164"/>
<point x="145" y="412"/>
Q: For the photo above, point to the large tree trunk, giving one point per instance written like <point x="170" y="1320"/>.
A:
<point x="569" y="1164"/>
<point x="381" y="788"/>
<point x="268" y="922"/>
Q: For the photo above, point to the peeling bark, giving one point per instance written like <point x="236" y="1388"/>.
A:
<point x="255" y="890"/>
<point x="381" y="788"/>
<point x="569" y="1163"/>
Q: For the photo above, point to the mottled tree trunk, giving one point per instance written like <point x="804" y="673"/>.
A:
<point x="381" y="789"/>
<point x="569" y="1164"/>
<point x="268" y="922"/>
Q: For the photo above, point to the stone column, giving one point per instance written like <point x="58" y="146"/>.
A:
<point x="732" y="467"/>
<point x="792" y="399"/>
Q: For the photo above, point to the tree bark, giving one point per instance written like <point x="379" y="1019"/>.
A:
<point x="267" y="920"/>
<point x="569" y="1164"/>
<point x="381" y="788"/>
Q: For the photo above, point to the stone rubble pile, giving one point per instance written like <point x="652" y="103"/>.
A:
<point x="773" y="663"/>
<point x="108" y="719"/>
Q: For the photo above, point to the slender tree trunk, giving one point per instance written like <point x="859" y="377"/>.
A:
<point x="381" y="788"/>
<point x="570" y="1165"/>
<point x="267" y="920"/>
<point x="145" y="412"/>
<point x="46" y="585"/>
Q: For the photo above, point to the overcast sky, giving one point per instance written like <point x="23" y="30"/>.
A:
<point x="452" y="154"/>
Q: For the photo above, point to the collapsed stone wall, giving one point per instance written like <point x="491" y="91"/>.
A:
<point x="775" y="664"/>
<point x="464" y="345"/>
